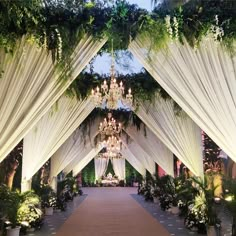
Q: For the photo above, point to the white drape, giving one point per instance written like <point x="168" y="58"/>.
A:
<point x="75" y="145"/>
<point x="178" y="132"/>
<point x="85" y="160"/>
<point x="202" y="82"/>
<point x="30" y="85"/>
<point x="141" y="155"/>
<point x="100" y="167"/>
<point x="153" y="147"/>
<point x="119" y="167"/>
<point x="51" y="132"/>
<point x="128" y="155"/>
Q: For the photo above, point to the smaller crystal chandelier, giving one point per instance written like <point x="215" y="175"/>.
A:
<point x="112" y="144"/>
<point x="113" y="94"/>
<point x="109" y="126"/>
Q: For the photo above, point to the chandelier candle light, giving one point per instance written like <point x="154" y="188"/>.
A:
<point x="110" y="96"/>
<point x="109" y="126"/>
<point x="112" y="144"/>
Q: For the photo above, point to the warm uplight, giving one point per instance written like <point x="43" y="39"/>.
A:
<point x="217" y="199"/>
<point x="229" y="198"/>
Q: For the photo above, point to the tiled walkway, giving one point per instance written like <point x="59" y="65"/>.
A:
<point x="111" y="211"/>
<point x="53" y="223"/>
<point x="171" y="222"/>
<point x="175" y="224"/>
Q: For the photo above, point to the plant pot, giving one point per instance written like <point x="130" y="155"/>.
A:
<point x="175" y="210"/>
<point x="211" y="231"/>
<point x="13" y="231"/>
<point x="155" y="199"/>
<point x="49" y="211"/>
<point x="30" y="230"/>
<point x="57" y="210"/>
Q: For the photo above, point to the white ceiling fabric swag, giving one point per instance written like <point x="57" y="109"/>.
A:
<point x="139" y="153"/>
<point x="118" y="165"/>
<point x="178" y="132"/>
<point x="75" y="145"/>
<point x="53" y="129"/>
<point x="153" y="147"/>
<point x="30" y="85"/>
<point x="129" y="156"/>
<point x="100" y="165"/>
<point x="84" y="160"/>
<point x="202" y="82"/>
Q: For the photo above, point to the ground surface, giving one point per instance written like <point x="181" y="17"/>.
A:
<point x="114" y="211"/>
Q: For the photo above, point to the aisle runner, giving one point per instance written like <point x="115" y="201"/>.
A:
<point x="111" y="211"/>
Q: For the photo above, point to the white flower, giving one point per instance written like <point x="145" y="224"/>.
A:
<point x="59" y="46"/>
<point x="217" y="30"/>
<point x="176" y="27"/>
<point x="168" y="26"/>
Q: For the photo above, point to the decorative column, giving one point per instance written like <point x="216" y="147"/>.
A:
<point x="26" y="185"/>
<point x="53" y="183"/>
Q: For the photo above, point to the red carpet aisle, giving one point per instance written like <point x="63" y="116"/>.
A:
<point x="111" y="211"/>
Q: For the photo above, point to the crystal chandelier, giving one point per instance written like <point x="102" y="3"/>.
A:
<point x="109" y="126"/>
<point x="112" y="144"/>
<point x="111" y="95"/>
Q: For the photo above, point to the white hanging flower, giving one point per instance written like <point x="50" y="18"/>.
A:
<point x="176" y="27"/>
<point x="44" y="40"/>
<point x="217" y="19"/>
<point x="217" y="30"/>
<point x="59" y="46"/>
<point x="168" y="26"/>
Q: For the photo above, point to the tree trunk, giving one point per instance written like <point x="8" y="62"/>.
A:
<point x="11" y="173"/>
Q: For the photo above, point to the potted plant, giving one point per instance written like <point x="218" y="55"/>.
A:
<point x="49" y="202"/>
<point x="204" y="204"/>
<point x="48" y="199"/>
<point x="230" y="199"/>
<point x="155" y="194"/>
<point x="10" y="202"/>
<point x="29" y="212"/>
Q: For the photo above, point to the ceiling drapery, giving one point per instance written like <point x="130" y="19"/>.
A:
<point x="141" y="155"/>
<point x="30" y="85"/>
<point x="100" y="167"/>
<point x="153" y="147"/>
<point x="201" y="81"/>
<point x="178" y="132"/>
<point x="118" y="165"/>
<point x="53" y="129"/>
<point x="85" y="159"/>
<point x="129" y="156"/>
<point x="70" y="151"/>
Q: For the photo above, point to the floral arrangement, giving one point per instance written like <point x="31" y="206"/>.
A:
<point x="49" y="200"/>
<point x="195" y="220"/>
<point x="48" y="196"/>
<point x="29" y="212"/>
<point x="166" y="201"/>
<point x="155" y="192"/>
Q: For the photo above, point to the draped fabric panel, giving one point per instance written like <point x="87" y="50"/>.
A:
<point x="30" y="85"/>
<point x="78" y="143"/>
<point x="54" y="128"/>
<point x="100" y="167"/>
<point x="141" y="155"/>
<point x="85" y="160"/>
<point x="128" y="155"/>
<point x="177" y="131"/>
<point x="202" y="82"/>
<point x="119" y="167"/>
<point x="153" y="147"/>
